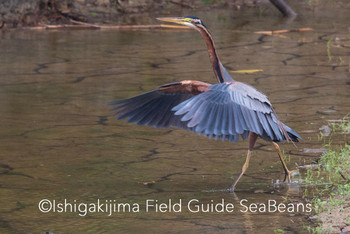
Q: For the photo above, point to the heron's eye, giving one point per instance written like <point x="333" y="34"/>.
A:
<point x="196" y="21"/>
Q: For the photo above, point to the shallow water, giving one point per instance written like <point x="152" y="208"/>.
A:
<point x="59" y="141"/>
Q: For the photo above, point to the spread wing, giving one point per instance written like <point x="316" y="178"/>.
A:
<point x="154" y="108"/>
<point x="228" y="110"/>
<point x="225" y="110"/>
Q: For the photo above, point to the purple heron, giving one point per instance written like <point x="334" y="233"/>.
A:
<point x="225" y="110"/>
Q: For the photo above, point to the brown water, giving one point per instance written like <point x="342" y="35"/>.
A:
<point x="59" y="141"/>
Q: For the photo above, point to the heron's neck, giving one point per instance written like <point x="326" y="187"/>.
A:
<point x="219" y="70"/>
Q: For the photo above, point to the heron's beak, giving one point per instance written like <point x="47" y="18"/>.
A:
<point x="176" y="20"/>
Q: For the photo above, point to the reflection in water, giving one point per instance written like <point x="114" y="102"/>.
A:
<point x="59" y="142"/>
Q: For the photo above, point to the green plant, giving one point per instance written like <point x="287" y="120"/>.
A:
<point x="342" y="126"/>
<point x="329" y="185"/>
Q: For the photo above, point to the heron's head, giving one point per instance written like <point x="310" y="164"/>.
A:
<point x="190" y="21"/>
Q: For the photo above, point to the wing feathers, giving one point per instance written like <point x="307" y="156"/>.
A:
<point x="226" y="111"/>
<point x="222" y="111"/>
<point x="152" y="109"/>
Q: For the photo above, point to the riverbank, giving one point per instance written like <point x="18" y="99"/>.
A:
<point x="46" y="12"/>
<point x="330" y="186"/>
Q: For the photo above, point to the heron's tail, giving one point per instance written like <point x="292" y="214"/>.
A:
<point x="292" y="135"/>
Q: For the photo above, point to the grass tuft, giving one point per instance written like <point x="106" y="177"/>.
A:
<point x="329" y="185"/>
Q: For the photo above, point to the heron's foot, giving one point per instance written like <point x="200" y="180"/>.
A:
<point x="231" y="189"/>
<point x="288" y="174"/>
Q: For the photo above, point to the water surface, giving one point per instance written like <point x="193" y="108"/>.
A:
<point x="59" y="141"/>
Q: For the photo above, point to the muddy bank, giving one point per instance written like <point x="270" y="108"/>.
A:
<point x="336" y="215"/>
<point x="19" y="13"/>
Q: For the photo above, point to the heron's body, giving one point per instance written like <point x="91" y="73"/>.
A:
<point x="224" y="111"/>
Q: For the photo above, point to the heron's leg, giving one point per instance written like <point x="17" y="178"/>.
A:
<point x="252" y="139"/>
<point x="286" y="171"/>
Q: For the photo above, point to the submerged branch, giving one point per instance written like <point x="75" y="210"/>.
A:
<point x="275" y="32"/>
<point x="82" y="25"/>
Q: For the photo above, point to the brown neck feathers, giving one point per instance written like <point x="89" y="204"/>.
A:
<point x="212" y="53"/>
